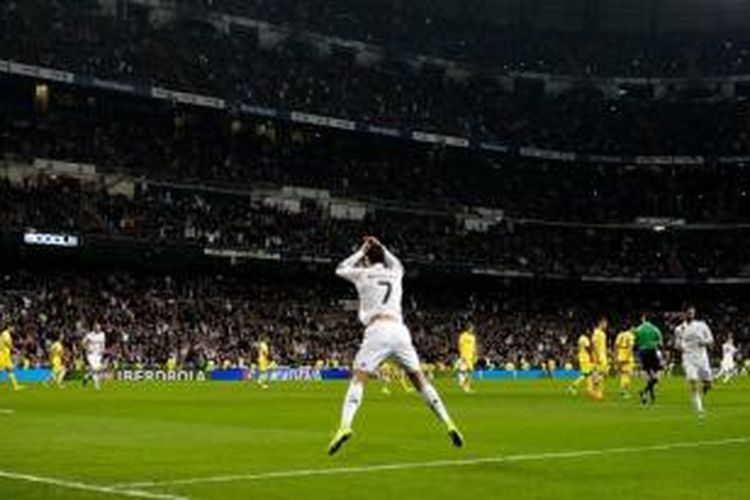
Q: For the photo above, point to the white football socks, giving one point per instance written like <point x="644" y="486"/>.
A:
<point x="432" y="398"/>
<point x="698" y="402"/>
<point x="352" y="401"/>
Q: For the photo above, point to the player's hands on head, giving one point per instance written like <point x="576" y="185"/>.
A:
<point x="371" y="241"/>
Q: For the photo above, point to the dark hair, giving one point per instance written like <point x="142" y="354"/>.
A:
<point x="375" y="254"/>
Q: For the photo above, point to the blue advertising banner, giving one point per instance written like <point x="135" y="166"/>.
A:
<point x="33" y="375"/>
<point x="522" y="374"/>
<point x="281" y="373"/>
<point x="229" y="375"/>
<point x="335" y="374"/>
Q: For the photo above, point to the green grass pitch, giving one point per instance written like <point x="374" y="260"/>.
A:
<point x="76" y="443"/>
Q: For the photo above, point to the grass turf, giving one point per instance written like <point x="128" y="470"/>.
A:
<point x="152" y="432"/>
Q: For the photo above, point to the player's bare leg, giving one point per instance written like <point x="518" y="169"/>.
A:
<point x="461" y="378"/>
<point x="588" y="380"/>
<point x="263" y="379"/>
<point x="352" y="402"/>
<point x="576" y="384"/>
<point x="59" y="378"/>
<point x="591" y="382"/>
<point x="625" y="381"/>
<point x="726" y="374"/>
<point x="14" y="381"/>
<point x="432" y="398"/>
<point x="467" y="383"/>
<point x="648" y="392"/>
<point x="696" y="397"/>
<point x="402" y="378"/>
<point x="596" y="388"/>
<point x="464" y="379"/>
<point x="385" y="378"/>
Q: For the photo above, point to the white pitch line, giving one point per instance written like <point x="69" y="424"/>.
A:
<point x="4" y="411"/>
<point x="76" y="485"/>
<point x="435" y="463"/>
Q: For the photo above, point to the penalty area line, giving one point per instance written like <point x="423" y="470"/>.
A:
<point x="77" y="485"/>
<point x="287" y="474"/>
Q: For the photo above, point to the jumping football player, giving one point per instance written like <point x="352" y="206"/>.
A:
<point x="377" y="274"/>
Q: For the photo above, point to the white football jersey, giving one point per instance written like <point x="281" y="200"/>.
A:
<point x="95" y="343"/>
<point x="729" y="350"/>
<point x="693" y="338"/>
<point x="378" y="286"/>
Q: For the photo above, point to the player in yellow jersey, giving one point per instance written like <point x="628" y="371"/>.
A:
<point x="389" y="372"/>
<point x="624" y="344"/>
<point x="467" y="350"/>
<point x="600" y="357"/>
<point x="57" y="365"/>
<point x="264" y="360"/>
<point x="586" y="367"/>
<point x="386" y="374"/>
<point x="171" y="364"/>
<point x="6" y="356"/>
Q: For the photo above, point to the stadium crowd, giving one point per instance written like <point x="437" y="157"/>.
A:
<point x="217" y="318"/>
<point x="191" y="55"/>
<point x="153" y="139"/>
<point x="236" y="220"/>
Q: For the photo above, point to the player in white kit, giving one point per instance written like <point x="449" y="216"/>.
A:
<point x="692" y="338"/>
<point x="728" y="368"/>
<point x="377" y="273"/>
<point x="94" y="343"/>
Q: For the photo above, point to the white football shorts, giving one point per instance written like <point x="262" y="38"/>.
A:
<point x="697" y="368"/>
<point x="386" y="339"/>
<point x="94" y="361"/>
<point x="728" y="365"/>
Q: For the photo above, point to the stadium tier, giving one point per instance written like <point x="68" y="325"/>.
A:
<point x="202" y="55"/>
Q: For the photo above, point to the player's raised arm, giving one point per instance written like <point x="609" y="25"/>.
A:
<point x="391" y="261"/>
<point x="348" y="268"/>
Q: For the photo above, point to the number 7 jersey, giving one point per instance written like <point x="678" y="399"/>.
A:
<point x="378" y="286"/>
